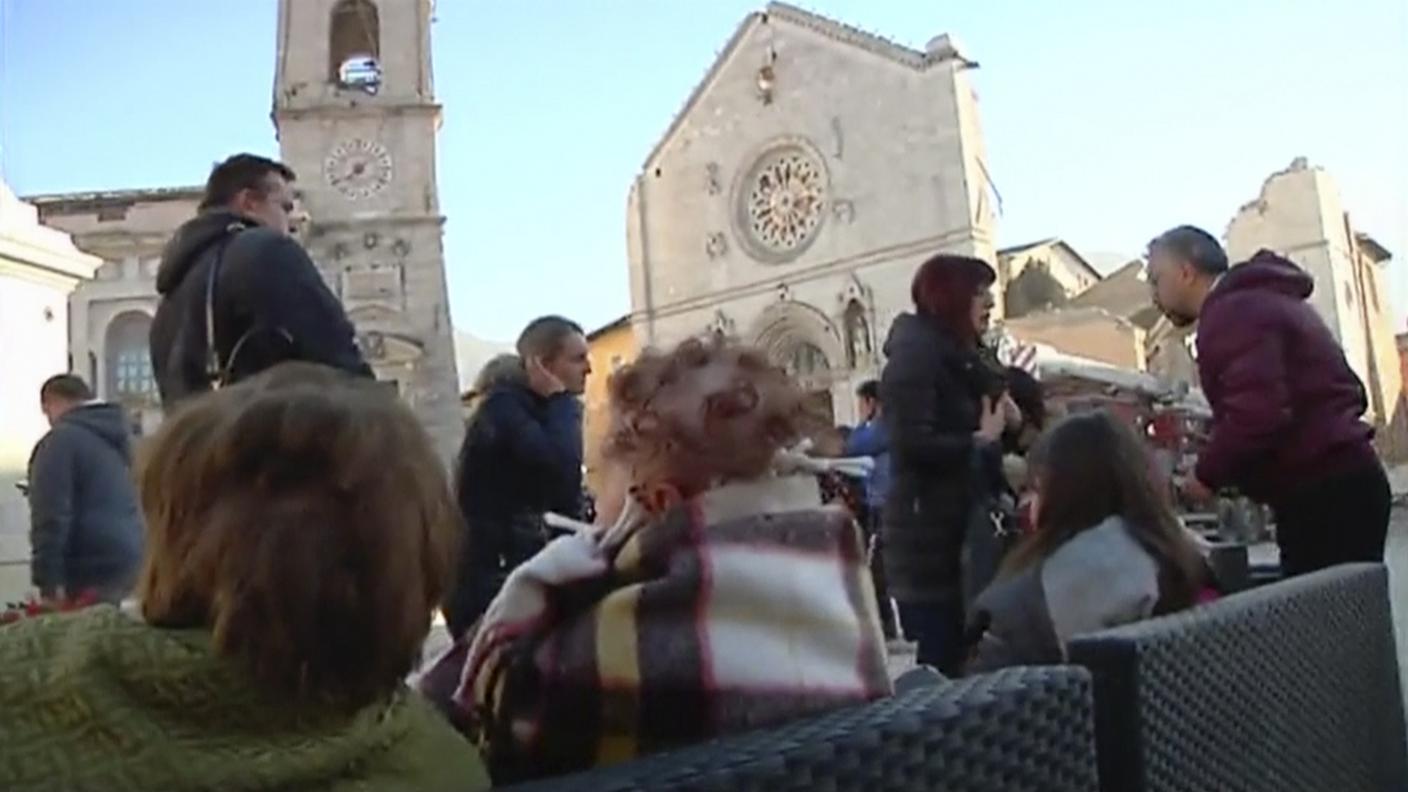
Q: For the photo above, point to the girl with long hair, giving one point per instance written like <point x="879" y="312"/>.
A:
<point x="1107" y="549"/>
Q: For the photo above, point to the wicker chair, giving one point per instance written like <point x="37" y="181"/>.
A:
<point x="1293" y="686"/>
<point x="1015" y="730"/>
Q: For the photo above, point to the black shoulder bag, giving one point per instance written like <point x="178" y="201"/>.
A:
<point x="218" y="374"/>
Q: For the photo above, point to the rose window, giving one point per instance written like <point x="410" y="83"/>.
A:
<point x="783" y="201"/>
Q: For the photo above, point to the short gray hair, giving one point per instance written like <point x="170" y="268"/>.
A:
<point x="1195" y="246"/>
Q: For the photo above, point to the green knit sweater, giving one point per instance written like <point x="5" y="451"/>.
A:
<point x="99" y="700"/>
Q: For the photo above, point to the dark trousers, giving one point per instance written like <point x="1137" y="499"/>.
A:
<point x="870" y="521"/>
<point x="1339" y="520"/>
<point x="938" y="629"/>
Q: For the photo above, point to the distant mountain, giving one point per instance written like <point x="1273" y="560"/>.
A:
<point x="471" y="353"/>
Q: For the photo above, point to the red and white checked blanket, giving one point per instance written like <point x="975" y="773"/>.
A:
<point x="745" y="607"/>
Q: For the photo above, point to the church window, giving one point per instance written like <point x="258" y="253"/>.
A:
<point x="858" y="343"/>
<point x="782" y="201"/>
<point x="354" y="46"/>
<point x="129" y="362"/>
<point x="805" y="361"/>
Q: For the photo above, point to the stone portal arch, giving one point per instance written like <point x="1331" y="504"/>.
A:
<point x="803" y="341"/>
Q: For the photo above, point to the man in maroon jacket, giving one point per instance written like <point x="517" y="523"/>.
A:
<point x="1287" y="408"/>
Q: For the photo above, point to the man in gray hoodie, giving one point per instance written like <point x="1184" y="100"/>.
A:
<point x="85" y="524"/>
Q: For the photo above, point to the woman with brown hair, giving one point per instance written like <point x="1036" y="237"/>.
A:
<point x="1107" y="549"/>
<point x="941" y="390"/>
<point x="300" y="532"/>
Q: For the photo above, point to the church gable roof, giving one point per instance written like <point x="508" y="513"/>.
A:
<point x="940" y="50"/>
<point x="846" y="34"/>
<point x="1053" y="243"/>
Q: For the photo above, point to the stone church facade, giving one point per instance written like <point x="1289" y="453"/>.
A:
<point x="356" y="117"/>
<point x="794" y="195"/>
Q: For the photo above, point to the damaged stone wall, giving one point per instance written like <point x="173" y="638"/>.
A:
<point x="1299" y="214"/>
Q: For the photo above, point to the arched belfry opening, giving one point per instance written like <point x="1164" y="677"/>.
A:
<point x="354" y="45"/>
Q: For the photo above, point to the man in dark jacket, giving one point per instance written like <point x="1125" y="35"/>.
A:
<point x="522" y="457"/>
<point x="266" y="302"/>
<point x="1287" y="408"/>
<point x="85" y="525"/>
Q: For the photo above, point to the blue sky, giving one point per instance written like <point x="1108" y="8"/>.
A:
<point x="1105" y="121"/>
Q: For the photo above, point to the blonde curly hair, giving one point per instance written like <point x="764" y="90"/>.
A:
<point x="709" y="411"/>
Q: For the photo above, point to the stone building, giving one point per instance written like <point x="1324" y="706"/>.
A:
<point x="1402" y="339"/>
<point x="1299" y="214"/>
<point x="1039" y="276"/>
<point x="39" y="268"/>
<point x="355" y="112"/>
<point x="111" y="315"/>
<point x="1091" y="333"/>
<point x="356" y="118"/>
<point x="793" y="196"/>
<point x="1124" y="293"/>
<point x="608" y="348"/>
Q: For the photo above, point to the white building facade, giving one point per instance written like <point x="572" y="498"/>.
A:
<point x="39" y="268"/>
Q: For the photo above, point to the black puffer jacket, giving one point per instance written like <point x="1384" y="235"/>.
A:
<point x="266" y="284"/>
<point x="932" y="390"/>
<point x="85" y="525"/>
<point x="522" y="456"/>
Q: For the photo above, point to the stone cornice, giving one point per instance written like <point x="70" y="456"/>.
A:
<point x="846" y="34"/>
<point x="19" y="255"/>
<point x="294" y="113"/>
<point x="323" y="227"/>
<point x="906" y="251"/>
<point x="80" y="202"/>
<point x="30" y="271"/>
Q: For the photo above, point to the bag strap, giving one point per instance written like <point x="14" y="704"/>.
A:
<point x="217" y="373"/>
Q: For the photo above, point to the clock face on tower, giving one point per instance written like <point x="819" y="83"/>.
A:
<point x="358" y="168"/>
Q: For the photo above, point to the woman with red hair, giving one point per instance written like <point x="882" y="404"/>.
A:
<point x="942" y="391"/>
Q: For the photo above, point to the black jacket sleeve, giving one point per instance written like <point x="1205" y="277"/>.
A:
<point x="285" y="291"/>
<point x="914" y="390"/>
<point x="564" y="429"/>
<point x="550" y="445"/>
<point x="51" y="509"/>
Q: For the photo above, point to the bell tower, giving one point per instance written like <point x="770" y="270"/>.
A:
<point x="356" y="118"/>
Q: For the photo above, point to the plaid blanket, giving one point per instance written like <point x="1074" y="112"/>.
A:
<point x="747" y="606"/>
